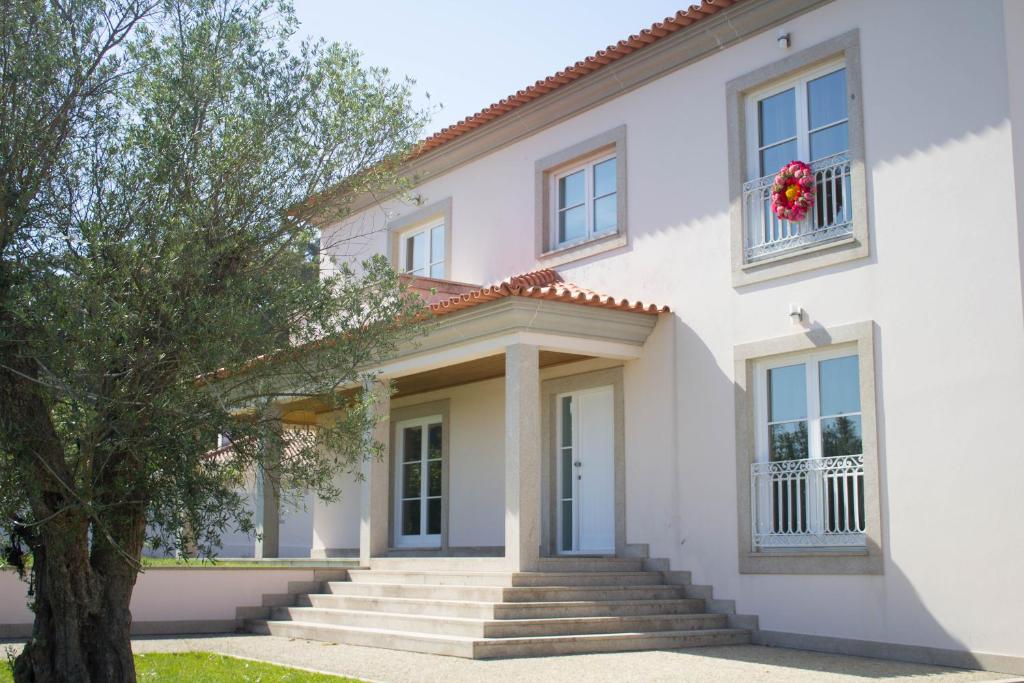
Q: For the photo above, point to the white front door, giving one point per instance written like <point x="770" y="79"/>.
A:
<point x="418" y="482"/>
<point x="586" y="471"/>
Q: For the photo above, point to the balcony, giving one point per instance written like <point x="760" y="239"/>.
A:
<point x="809" y="503"/>
<point x="829" y="220"/>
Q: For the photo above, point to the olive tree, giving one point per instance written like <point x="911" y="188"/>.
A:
<point x="157" y="288"/>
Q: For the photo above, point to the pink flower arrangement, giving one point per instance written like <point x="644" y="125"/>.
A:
<point x="793" y="191"/>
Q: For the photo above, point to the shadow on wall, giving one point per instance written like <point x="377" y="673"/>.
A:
<point x="707" y="487"/>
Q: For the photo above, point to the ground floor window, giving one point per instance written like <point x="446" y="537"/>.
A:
<point x="807" y="482"/>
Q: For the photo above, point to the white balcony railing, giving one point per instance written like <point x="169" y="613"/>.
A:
<point x="808" y="503"/>
<point x="831" y="218"/>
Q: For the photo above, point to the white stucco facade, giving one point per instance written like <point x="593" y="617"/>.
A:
<point x="943" y="125"/>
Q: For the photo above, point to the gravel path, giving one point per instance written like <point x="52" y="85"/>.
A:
<point x="747" y="663"/>
<point x="713" y="664"/>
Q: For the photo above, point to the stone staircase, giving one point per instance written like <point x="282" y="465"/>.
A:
<point x="572" y="605"/>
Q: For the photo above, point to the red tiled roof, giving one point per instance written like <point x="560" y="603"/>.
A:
<point x="433" y="290"/>
<point x="446" y="296"/>
<point x="540" y="284"/>
<point x="595" y="62"/>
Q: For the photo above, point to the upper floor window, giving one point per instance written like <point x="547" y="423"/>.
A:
<point x="805" y="107"/>
<point x="586" y="201"/>
<point x="580" y="193"/>
<point x="804" y="118"/>
<point x="422" y="251"/>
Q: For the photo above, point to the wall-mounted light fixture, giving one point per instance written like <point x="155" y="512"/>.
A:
<point x="783" y="40"/>
<point x="796" y="314"/>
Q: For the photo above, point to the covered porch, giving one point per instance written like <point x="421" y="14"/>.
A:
<point x="504" y="435"/>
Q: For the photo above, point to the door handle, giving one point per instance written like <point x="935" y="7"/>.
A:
<point x="577" y="464"/>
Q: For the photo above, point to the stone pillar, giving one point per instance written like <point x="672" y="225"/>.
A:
<point x="268" y="487"/>
<point x="373" y="508"/>
<point x="522" y="457"/>
<point x="268" y="516"/>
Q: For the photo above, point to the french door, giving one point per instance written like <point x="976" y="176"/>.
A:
<point x="807" y="484"/>
<point x="586" y="471"/>
<point x="419" y="482"/>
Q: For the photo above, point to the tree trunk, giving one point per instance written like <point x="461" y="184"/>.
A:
<point x="63" y="595"/>
<point x="82" y="622"/>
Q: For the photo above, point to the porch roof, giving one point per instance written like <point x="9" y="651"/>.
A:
<point x="445" y="297"/>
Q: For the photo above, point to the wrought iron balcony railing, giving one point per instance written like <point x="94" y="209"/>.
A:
<point x="830" y="219"/>
<point x="808" y="503"/>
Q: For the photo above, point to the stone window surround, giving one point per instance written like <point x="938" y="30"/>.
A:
<point x="400" y="414"/>
<point x="550" y="389"/>
<point x="809" y="561"/>
<point x="548" y="256"/>
<point x="416" y="218"/>
<point x="856" y="246"/>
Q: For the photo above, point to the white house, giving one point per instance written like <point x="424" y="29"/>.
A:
<point x="814" y="418"/>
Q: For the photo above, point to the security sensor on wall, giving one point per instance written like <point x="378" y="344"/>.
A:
<point x="783" y="40"/>
<point x="796" y="314"/>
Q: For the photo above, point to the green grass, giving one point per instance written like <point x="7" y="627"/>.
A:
<point x="195" y="562"/>
<point x="207" y="667"/>
<point x="158" y="562"/>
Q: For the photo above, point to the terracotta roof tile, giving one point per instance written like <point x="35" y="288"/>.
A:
<point x="540" y="284"/>
<point x="571" y="73"/>
<point x="446" y="296"/>
<point x="433" y="290"/>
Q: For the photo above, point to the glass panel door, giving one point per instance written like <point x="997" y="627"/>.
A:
<point x="787" y="440"/>
<point x="419" y="482"/>
<point x="586" y="472"/>
<point x="839" y="382"/>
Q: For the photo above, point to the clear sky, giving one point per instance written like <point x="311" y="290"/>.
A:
<point x="467" y="55"/>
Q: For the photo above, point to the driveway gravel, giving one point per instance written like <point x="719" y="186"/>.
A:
<point x="713" y="664"/>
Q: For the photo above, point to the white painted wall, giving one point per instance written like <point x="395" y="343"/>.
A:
<point x="476" y="470"/>
<point x="296" y="528"/>
<point x="336" y="524"/>
<point x="170" y="594"/>
<point x="943" y="284"/>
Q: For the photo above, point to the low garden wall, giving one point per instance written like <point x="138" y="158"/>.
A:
<point x="173" y="600"/>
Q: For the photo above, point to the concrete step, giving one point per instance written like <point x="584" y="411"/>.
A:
<point x="507" y="593"/>
<point x="606" y="642"/>
<point x="452" y="646"/>
<point x="492" y="610"/>
<point x="405" y="590"/>
<point x="405" y="623"/>
<point x="569" y="626"/>
<point x="475" y="578"/>
<point x="596" y="608"/>
<point x="590" y="564"/>
<point x="591" y="593"/>
<point x="491" y="648"/>
<point x="505" y="628"/>
<point x="478" y="564"/>
<point x="371" y="603"/>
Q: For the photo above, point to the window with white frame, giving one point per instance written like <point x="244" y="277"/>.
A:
<point x="421" y="251"/>
<point x="807" y="483"/>
<point x="585" y="202"/>
<point x="803" y="118"/>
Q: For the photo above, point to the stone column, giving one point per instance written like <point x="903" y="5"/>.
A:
<point x="374" y="514"/>
<point x="268" y="505"/>
<point x="268" y="516"/>
<point x="522" y="457"/>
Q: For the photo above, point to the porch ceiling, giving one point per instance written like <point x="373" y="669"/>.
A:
<point x="467" y="343"/>
<point x="476" y="370"/>
<point x="305" y="412"/>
